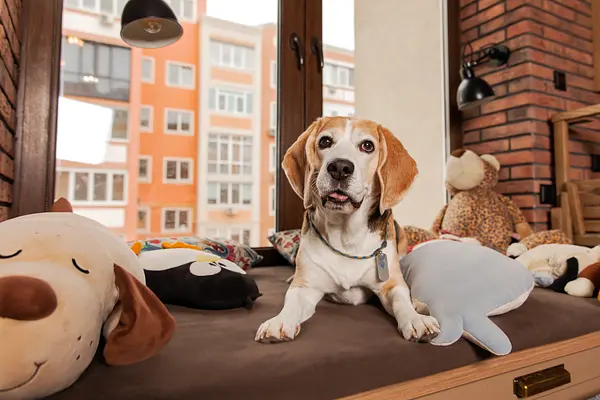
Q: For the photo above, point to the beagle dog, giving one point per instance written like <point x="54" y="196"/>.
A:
<point x="349" y="174"/>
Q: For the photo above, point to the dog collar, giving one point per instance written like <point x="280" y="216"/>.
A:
<point x="320" y="236"/>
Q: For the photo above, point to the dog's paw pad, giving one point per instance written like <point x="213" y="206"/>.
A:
<point x="421" y="328"/>
<point x="277" y="330"/>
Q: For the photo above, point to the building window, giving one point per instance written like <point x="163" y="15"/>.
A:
<point x="95" y="70"/>
<point x="145" y="169"/>
<point x="146" y="118"/>
<point x="229" y="154"/>
<point x="272" y="157"/>
<point x="90" y="187"/>
<point x="148" y="69"/>
<point x="184" y="9"/>
<point x="120" y="124"/>
<point x="179" y="122"/>
<point x="178" y="170"/>
<point x="338" y="75"/>
<point x="272" y="201"/>
<point x="180" y="75"/>
<point x="176" y="219"/>
<point x="111" y="7"/>
<point x="143" y="220"/>
<point x="229" y="194"/>
<point x="273" y="116"/>
<point x="230" y="101"/>
<point x="273" y="74"/>
<point x="231" y="55"/>
<point x="239" y="235"/>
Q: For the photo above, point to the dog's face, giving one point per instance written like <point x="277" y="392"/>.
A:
<point x="341" y="163"/>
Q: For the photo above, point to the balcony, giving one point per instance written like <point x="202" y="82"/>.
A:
<point x="75" y="84"/>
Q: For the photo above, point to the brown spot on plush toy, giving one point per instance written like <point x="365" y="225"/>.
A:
<point x="476" y="210"/>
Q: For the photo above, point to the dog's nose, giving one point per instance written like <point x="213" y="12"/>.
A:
<point x="23" y="298"/>
<point x="340" y="169"/>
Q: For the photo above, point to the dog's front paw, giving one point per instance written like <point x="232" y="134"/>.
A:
<point x="276" y="330"/>
<point x="421" y="328"/>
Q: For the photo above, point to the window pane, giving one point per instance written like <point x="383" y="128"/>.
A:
<point x="212" y="99"/>
<point x="173" y="74"/>
<point x="71" y="57"/>
<point x="249" y="103"/>
<point x="143" y="168"/>
<point x="184" y="219"/>
<point x="120" y="121"/>
<point x="145" y="117"/>
<point x="186" y="122"/>
<point x="81" y="186"/>
<point x="100" y="187"/>
<point x="89" y="4"/>
<point x="214" y="52"/>
<point x="235" y="193"/>
<point x="187" y="79"/>
<point x="171" y="170"/>
<point x="227" y="54"/>
<point x="118" y="187"/>
<point x="247" y="194"/>
<point x="240" y="105"/>
<point x="147" y="69"/>
<point x="170" y="219"/>
<point x="246" y="237"/>
<point x="88" y="54"/>
<point x="120" y="63"/>
<point x="235" y="237"/>
<point x="238" y="56"/>
<point x="188" y="9"/>
<point x="120" y="7"/>
<point x="142" y="219"/>
<point x="224" y="198"/>
<point x="71" y="3"/>
<point x="211" y="191"/>
<point x="106" y="6"/>
<point x="184" y="170"/>
<point x="222" y="102"/>
<point x="176" y="6"/>
<point x="249" y="58"/>
<point x="172" y="120"/>
<point x="62" y="184"/>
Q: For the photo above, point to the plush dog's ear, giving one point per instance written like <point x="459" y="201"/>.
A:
<point x="296" y="165"/>
<point x="396" y="170"/>
<point x="62" y="205"/>
<point x="144" y="325"/>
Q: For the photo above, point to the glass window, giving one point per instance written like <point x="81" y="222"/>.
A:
<point x="232" y="154"/>
<point x="81" y="186"/>
<point x="120" y="123"/>
<point x="179" y="121"/>
<point x="106" y="6"/>
<point x="148" y="70"/>
<point x="145" y="118"/>
<point x="180" y="75"/>
<point x="188" y="9"/>
<point x="178" y="171"/>
<point x="143" y="220"/>
<point x="100" y="187"/>
<point x="89" y="4"/>
<point x="118" y="191"/>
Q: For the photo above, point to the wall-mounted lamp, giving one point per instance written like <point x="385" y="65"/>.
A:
<point x="474" y="91"/>
<point x="149" y="24"/>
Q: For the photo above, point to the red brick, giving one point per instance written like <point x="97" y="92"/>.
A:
<point x="539" y="43"/>
<point x="512" y="4"/>
<point x="535" y="216"/>
<point x="577" y="160"/>
<point x="7" y="113"/>
<point x="518" y="71"/>
<point x="483" y="4"/>
<point x="3" y="213"/>
<point x="464" y="3"/>
<point x="527" y="83"/>
<point x="520" y="99"/>
<point x="559" y="10"/>
<point x="7" y="167"/>
<point x="5" y="192"/>
<point x="567" y="39"/>
<point x="504" y="174"/>
<point x="483" y="16"/>
<point x="539" y="227"/>
<point x="471" y="137"/>
<point x="467" y="11"/>
<point x="529" y="112"/>
<point x="11" y="33"/>
<point x="530" y="171"/>
<point x="491" y="147"/>
<point x="529" y="142"/>
<point x="523" y="27"/>
<point x="526" y="200"/>
<point x="470" y="35"/>
<point x="510" y="187"/>
<point x="515" y="129"/>
<point x="524" y="157"/>
<point x="484" y="121"/>
<point x="6" y="139"/>
<point x="581" y="6"/>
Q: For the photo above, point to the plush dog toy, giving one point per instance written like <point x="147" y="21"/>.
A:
<point x="571" y="269"/>
<point x="185" y="276"/>
<point x="65" y="280"/>
<point x="476" y="210"/>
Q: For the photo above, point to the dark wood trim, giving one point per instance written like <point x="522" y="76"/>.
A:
<point x="37" y="104"/>
<point x="453" y="63"/>
<point x="290" y="107"/>
<point x="272" y="258"/>
<point x="596" y="42"/>
<point x="313" y="95"/>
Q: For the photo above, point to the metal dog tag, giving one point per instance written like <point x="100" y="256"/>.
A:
<point x="383" y="273"/>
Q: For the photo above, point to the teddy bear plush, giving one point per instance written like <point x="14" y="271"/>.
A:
<point x="476" y="210"/>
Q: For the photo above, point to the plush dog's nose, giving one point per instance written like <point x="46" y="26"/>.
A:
<point x="340" y="169"/>
<point x="23" y="298"/>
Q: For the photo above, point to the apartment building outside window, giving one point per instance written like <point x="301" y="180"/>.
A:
<point x="240" y="235"/>
<point x="176" y="219"/>
<point x="229" y="154"/>
<point x="95" y="70"/>
<point x="90" y="187"/>
<point x="230" y="101"/>
<point x="272" y="157"/>
<point x="148" y="69"/>
<point x="111" y="7"/>
<point x="145" y="169"/>
<point x="120" y="131"/>
<point x="178" y="170"/>
<point x="143" y="220"/>
<point x="146" y="118"/>
<point x="231" y="55"/>
<point x="273" y="74"/>
<point x="179" y="122"/>
<point x="180" y="75"/>
<point x="229" y="194"/>
<point x="338" y="75"/>
<point x="184" y="9"/>
<point x="272" y="201"/>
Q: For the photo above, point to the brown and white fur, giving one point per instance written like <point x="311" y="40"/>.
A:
<point x="349" y="173"/>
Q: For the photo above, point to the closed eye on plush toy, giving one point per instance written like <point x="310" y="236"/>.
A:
<point x="85" y="271"/>
<point x="2" y="257"/>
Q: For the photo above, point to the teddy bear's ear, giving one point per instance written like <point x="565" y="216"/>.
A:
<point x="493" y="161"/>
<point x="62" y="205"/>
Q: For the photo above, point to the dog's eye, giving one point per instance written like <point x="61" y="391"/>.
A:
<point x="367" y="146"/>
<point x="16" y="253"/>
<point x="325" y="142"/>
<point x="85" y="271"/>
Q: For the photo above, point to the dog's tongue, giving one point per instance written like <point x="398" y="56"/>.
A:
<point x="338" y="196"/>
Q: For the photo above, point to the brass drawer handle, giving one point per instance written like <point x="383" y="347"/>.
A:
<point x="541" y="381"/>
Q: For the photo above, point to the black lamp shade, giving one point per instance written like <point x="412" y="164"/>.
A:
<point x="149" y="24"/>
<point x="472" y="91"/>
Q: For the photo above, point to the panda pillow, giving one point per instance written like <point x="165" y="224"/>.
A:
<point x="197" y="279"/>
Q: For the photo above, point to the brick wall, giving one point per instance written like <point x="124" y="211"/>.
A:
<point x="544" y="35"/>
<point x="10" y="47"/>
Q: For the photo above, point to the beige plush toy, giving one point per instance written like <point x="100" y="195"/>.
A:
<point x="65" y="280"/>
<point x="476" y="210"/>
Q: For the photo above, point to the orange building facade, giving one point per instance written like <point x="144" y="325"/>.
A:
<point x="191" y="147"/>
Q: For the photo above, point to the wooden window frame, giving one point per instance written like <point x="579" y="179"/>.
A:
<point x="299" y="101"/>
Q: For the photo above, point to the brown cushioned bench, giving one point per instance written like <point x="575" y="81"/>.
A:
<point x="341" y="351"/>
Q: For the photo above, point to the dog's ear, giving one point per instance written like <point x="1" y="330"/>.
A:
<point x="62" y="205"/>
<point x="144" y="325"/>
<point x="396" y="170"/>
<point x="296" y="165"/>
